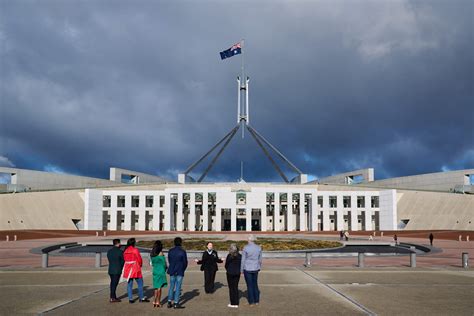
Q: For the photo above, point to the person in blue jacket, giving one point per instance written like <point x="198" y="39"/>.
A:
<point x="178" y="262"/>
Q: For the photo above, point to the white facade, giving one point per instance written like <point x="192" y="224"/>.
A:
<point x="239" y="207"/>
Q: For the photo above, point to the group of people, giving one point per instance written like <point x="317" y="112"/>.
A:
<point x="127" y="265"/>
<point x="344" y="235"/>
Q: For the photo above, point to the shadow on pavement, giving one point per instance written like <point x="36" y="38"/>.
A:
<point x="186" y="297"/>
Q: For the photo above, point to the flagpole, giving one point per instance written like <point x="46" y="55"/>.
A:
<point x="242" y="59"/>
<point x="243" y="79"/>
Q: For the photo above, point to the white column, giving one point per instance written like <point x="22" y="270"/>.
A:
<point x="167" y="212"/>
<point x="354" y="213"/>
<point x="339" y="217"/>
<point x="326" y="221"/>
<point x="325" y="210"/>
<point x="179" y="215"/>
<point x="113" y="219"/>
<point x="127" y="225"/>
<point x="113" y="212"/>
<point x="233" y="219"/>
<point x="290" y="211"/>
<point x="263" y="218"/>
<point x="205" y="211"/>
<point x="156" y="212"/>
<point x="302" y="213"/>
<point x="276" y="218"/>
<point x="192" y="212"/>
<point x="368" y="219"/>
<point x="218" y="218"/>
<point x="141" y="212"/>
<point x="248" y="219"/>
<point x="314" y="213"/>
<point x="127" y="213"/>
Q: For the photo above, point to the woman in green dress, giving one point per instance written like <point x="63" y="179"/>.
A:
<point x="158" y="262"/>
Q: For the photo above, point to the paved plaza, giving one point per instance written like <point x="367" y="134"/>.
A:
<point x="331" y="286"/>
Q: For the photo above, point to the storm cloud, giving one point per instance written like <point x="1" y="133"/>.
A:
<point x="336" y="85"/>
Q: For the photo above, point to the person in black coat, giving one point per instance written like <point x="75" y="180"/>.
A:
<point x="208" y="263"/>
<point x="116" y="262"/>
<point x="232" y="266"/>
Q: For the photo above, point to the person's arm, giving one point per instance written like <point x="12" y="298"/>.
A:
<point x="260" y="258"/>
<point x="242" y="263"/>
<point x="139" y="257"/>
<point x="185" y="260"/>
<point x="121" y="260"/>
<point x="202" y="259"/>
<point x="219" y="260"/>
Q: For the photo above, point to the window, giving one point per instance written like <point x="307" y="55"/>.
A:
<point x="149" y="201"/>
<point x="121" y="201"/>
<point x="106" y="201"/>
<point x="270" y="210"/>
<point x="162" y="201"/>
<point x="320" y="201"/>
<point x="346" y="201"/>
<point x="333" y="201"/>
<point x="374" y="201"/>
<point x="361" y="201"/>
<point x="135" y="201"/>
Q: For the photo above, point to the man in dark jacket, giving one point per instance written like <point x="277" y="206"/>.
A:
<point x="208" y="263"/>
<point x="178" y="262"/>
<point x="115" y="257"/>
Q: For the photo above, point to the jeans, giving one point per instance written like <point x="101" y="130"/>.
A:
<point x="175" y="288"/>
<point x="130" y="288"/>
<point x="253" y="293"/>
<point x="114" y="281"/>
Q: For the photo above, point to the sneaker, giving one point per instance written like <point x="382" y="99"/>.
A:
<point x="177" y="306"/>
<point x="233" y="306"/>
<point x="145" y="300"/>
<point x="169" y="304"/>
<point x="131" y="301"/>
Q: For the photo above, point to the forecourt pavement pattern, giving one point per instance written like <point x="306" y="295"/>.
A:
<point x="288" y="290"/>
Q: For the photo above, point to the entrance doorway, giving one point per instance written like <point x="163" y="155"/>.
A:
<point x="255" y="225"/>
<point x="226" y="225"/>
<point x="241" y="224"/>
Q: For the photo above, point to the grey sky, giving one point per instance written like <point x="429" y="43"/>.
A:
<point x="336" y="85"/>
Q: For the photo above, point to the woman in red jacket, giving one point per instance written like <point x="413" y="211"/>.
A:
<point x="132" y="269"/>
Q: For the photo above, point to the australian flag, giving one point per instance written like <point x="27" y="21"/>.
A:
<point x="234" y="50"/>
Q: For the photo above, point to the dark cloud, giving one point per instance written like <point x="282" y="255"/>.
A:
<point x="335" y="85"/>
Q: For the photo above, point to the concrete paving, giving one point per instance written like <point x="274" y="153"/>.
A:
<point x="303" y="291"/>
<point x="387" y="286"/>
